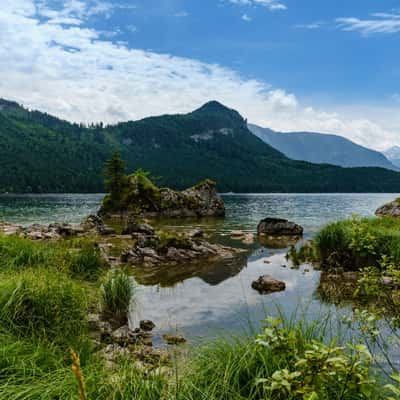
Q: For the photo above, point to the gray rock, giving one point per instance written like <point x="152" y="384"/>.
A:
<point x="123" y="335"/>
<point x="391" y="209"/>
<point x="267" y="284"/>
<point x="277" y="226"/>
<point x="146" y="229"/>
<point x="196" y="233"/>
<point x="147" y="325"/>
<point x="148" y="252"/>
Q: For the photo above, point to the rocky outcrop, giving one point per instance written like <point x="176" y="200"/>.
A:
<point x="140" y="197"/>
<point x="279" y="227"/>
<point x="267" y="284"/>
<point x="391" y="209"/>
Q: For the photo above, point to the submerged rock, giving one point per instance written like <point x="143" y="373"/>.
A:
<point x="237" y="234"/>
<point x="279" y="227"/>
<point x="267" y="284"/>
<point x="174" y="339"/>
<point x="391" y="209"/>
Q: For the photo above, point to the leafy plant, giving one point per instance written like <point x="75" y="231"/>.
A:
<point x="319" y="371"/>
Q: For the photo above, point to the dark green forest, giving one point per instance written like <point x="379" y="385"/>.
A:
<point x="41" y="153"/>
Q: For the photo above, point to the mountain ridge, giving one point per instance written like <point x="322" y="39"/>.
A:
<point x="322" y="148"/>
<point x="41" y="153"/>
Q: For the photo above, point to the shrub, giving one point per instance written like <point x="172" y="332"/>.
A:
<point x="44" y="304"/>
<point x="169" y="239"/>
<point x="358" y="243"/>
<point x="117" y="293"/>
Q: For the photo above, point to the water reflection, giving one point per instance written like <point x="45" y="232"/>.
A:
<point x="212" y="273"/>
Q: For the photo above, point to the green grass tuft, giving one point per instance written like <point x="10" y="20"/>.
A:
<point x="117" y="293"/>
<point x="43" y="303"/>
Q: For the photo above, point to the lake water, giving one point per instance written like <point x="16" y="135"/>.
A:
<point x="208" y="300"/>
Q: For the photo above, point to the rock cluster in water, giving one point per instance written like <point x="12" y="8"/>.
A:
<point x="279" y="227"/>
<point x="156" y="248"/>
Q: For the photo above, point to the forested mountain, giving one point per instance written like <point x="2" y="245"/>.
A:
<point x="40" y="153"/>
<point x="321" y="148"/>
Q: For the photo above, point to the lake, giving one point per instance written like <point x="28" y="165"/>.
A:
<point x="207" y="300"/>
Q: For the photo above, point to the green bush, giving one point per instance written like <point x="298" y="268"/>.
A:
<point x="44" y="304"/>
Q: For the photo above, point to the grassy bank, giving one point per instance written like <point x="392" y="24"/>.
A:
<point x="47" y="291"/>
<point x="359" y="242"/>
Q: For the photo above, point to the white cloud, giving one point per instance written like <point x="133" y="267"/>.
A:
<point x="383" y="23"/>
<point x="74" y="12"/>
<point x="312" y="25"/>
<point x="246" y="18"/>
<point x="272" y="5"/>
<point x="78" y="74"/>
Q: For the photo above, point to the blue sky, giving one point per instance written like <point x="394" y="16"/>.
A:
<point x="329" y="66"/>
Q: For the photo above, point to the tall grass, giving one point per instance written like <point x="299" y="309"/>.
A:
<point x="80" y="258"/>
<point x="44" y="304"/>
<point x="34" y="370"/>
<point x="235" y="369"/>
<point x="117" y="294"/>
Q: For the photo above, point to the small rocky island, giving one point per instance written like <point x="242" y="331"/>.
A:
<point x="138" y="196"/>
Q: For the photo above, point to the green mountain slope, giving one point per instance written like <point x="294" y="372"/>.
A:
<point x="41" y="153"/>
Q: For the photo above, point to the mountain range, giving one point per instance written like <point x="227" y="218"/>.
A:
<point x="322" y="148"/>
<point x="41" y="153"/>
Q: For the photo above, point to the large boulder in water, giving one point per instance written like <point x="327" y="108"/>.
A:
<point x="391" y="209"/>
<point x="279" y="227"/>
<point x="267" y="284"/>
<point x="141" y="198"/>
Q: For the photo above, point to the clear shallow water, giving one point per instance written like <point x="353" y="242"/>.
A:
<point x="207" y="300"/>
